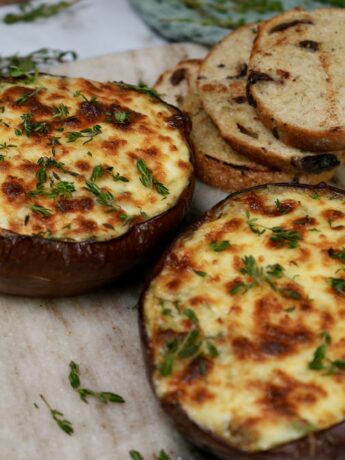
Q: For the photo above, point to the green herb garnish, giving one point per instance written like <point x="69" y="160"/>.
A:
<point x="53" y="142"/>
<point x="280" y="208"/>
<point x="30" y="127"/>
<point x="260" y="275"/>
<point x="141" y="87"/>
<point x="29" y="13"/>
<point x="200" y="273"/>
<point x="284" y="237"/>
<point x="64" y="424"/>
<point x="337" y="254"/>
<point x="23" y="99"/>
<point x="148" y="180"/>
<point x="6" y="146"/>
<point x="338" y="285"/>
<point x="254" y="227"/>
<point x="103" y="198"/>
<point x="92" y="99"/>
<point x="37" y="209"/>
<point x="320" y="362"/>
<point x="103" y="396"/>
<point x="89" y="133"/>
<point x="135" y="455"/>
<point x="219" y="246"/>
<point x="61" y="111"/>
<point x="119" y="118"/>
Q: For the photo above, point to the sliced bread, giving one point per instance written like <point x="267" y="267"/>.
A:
<point x="216" y="163"/>
<point x="222" y="84"/>
<point x="296" y="78"/>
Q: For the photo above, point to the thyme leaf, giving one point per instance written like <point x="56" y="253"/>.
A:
<point x="29" y="13"/>
<point x="141" y="87"/>
<point x="103" y="396"/>
<point x="61" y="111"/>
<point x="338" y="285"/>
<point x="37" y="209"/>
<point x="89" y="133"/>
<point x="219" y="246"/>
<point x="62" y="423"/>
<point x="148" y="180"/>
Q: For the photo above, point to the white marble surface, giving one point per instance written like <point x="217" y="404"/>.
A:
<point x="91" y="28"/>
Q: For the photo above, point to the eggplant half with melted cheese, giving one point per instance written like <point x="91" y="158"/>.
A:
<point x="243" y="326"/>
<point x="94" y="177"/>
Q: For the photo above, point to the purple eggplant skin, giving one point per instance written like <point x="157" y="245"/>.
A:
<point x="328" y="444"/>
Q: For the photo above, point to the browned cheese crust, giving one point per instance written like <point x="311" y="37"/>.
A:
<point x="196" y="379"/>
<point x="94" y="179"/>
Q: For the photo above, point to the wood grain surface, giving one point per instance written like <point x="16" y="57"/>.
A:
<point x="40" y="337"/>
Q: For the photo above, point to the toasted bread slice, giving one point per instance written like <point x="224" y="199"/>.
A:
<point x="222" y="85"/>
<point x="216" y="163"/>
<point x="296" y="78"/>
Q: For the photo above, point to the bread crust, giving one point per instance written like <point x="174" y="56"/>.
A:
<point x="231" y="178"/>
<point x="294" y="134"/>
<point x="210" y="168"/>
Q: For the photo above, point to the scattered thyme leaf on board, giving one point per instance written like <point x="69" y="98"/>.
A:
<point x="103" y="396"/>
<point x="62" y="423"/>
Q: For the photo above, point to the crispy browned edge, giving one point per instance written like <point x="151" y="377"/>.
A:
<point x="35" y="266"/>
<point x="299" y="137"/>
<point x="231" y="178"/>
<point x="323" y="445"/>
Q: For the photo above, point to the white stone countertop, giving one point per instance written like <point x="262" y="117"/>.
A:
<point x="91" y="28"/>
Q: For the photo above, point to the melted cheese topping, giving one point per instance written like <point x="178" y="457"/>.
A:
<point x="74" y="158"/>
<point x="239" y="310"/>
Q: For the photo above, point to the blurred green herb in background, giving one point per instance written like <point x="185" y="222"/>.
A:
<point x="28" y="12"/>
<point x="28" y="65"/>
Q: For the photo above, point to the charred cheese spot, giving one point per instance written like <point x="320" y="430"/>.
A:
<point x="59" y="130"/>
<point x="255" y="314"/>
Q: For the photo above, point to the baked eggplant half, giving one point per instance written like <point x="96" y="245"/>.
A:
<point x="243" y="326"/>
<point x="94" y="177"/>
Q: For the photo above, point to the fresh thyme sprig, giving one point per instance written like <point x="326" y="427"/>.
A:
<point x="61" y="111"/>
<point x="89" y="133"/>
<point x="338" y="285"/>
<point x="23" y="99"/>
<point x="53" y="141"/>
<point x="259" y="275"/>
<point x="337" y="254"/>
<point x="37" y="209"/>
<point x="254" y="227"/>
<point x="219" y="246"/>
<point x="99" y="171"/>
<point x="103" y="396"/>
<point x="148" y="180"/>
<point x="30" y="127"/>
<point x="64" y="424"/>
<point x="27" y="66"/>
<point x="119" y="118"/>
<point x="102" y="198"/>
<point x="141" y="87"/>
<point x="281" y="236"/>
<point x="320" y="362"/>
<point x="188" y="346"/>
<point x="6" y="146"/>
<point x="78" y="93"/>
<point x="29" y="13"/>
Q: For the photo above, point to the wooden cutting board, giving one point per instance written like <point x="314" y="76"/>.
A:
<point x="99" y="332"/>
